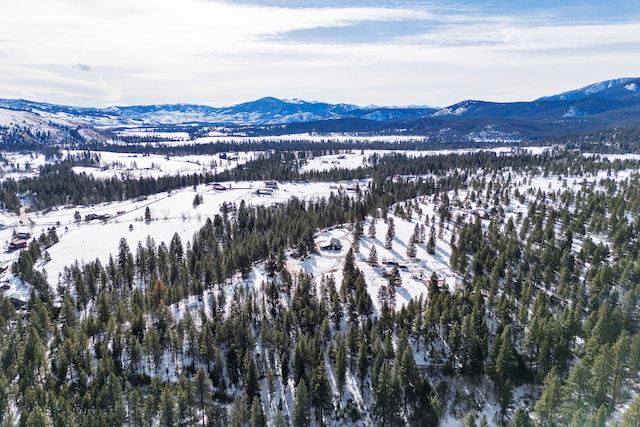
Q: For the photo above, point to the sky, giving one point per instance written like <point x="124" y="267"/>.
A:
<point x="99" y="53"/>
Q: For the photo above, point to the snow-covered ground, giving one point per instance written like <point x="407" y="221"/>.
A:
<point x="171" y="213"/>
<point x="175" y="213"/>
<point x="414" y="272"/>
<point x="155" y="165"/>
<point x="17" y="165"/>
<point x="122" y="164"/>
<point x="216" y="137"/>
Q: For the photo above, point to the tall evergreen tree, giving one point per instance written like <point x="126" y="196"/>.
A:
<point x="341" y="366"/>
<point x="547" y="407"/>
<point x="391" y="234"/>
<point x="321" y="397"/>
<point x="373" y="256"/>
<point x="372" y="228"/>
<point x="301" y="406"/>
<point x="257" y="415"/>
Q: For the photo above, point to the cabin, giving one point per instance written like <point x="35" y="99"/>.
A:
<point x="264" y="192"/>
<point x="17" y="300"/>
<point x="334" y="245"/>
<point x="271" y="184"/>
<point x="219" y="187"/>
<point x="17" y="244"/>
<point x="23" y="235"/>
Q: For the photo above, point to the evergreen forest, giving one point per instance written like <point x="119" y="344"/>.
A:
<point x="542" y="327"/>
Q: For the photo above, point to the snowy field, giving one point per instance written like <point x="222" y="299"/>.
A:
<point x="133" y="165"/>
<point x="154" y="165"/>
<point x="17" y="165"/>
<point x="171" y="213"/>
<point x="353" y="159"/>
<point x="218" y="137"/>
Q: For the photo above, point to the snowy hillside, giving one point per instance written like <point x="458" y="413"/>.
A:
<point x="449" y="288"/>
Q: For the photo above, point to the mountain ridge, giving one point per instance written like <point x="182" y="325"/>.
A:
<point x="610" y="103"/>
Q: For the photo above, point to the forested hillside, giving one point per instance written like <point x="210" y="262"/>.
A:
<point x="532" y="320"/>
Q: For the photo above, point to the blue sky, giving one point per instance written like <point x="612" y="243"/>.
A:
<point x="121" y="52"/>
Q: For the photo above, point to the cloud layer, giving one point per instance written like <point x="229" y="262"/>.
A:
<point x="108" y="52"/>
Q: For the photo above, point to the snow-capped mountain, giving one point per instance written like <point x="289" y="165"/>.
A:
<point x="603" y="89"/>
<point x="264" y="111"/>
<point x="608" y="104"/>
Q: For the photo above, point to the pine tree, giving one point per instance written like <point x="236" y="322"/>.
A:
<point x="147" y="214"/>
<point x="357" y="235"/>
<point x="521" y="419"/>
<point x="320" y="394"/>
<point x="415" y="237"/>
<point x="168" y="407"/>
<point x="251" y="384"/>
<point x="279" y="420"/>
<point x="203" y="388"/>
<point x="373" y="256"/>
<point x="411" y="248"/>
<point x="620" y="364"/>
<point x="434" y="288"/>
<point x="601" y="371"/>
<point x="363" y="363"/>
<point x="631" y="417"/>
<point x="239" y="415"/>
<point x="257" y="415"/>
<point x="577" y="390"/>
<point x="372" y="228"/>
<point x="469" y="420"/>
<point x="391" y="234"/>
<point x="547" y="406"/>
<point x="341" y="366"/>
<point x="386" y="391"/>
<point x="301" y="406"/>
<point x="37" y="417"/>
<point x="431" y="244"/>
<point x="409" y="375"/>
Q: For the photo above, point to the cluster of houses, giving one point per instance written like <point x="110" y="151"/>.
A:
<point x="269" y="188"/>
<point x="20" y="240"/>
<point x="92" y="216"/>
<point x="229" y="157"/>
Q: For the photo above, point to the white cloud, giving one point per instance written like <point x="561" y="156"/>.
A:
<point x="221" y="53"/>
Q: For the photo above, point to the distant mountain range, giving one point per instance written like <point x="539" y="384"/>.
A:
<point x="608" y="104"/>
<point x="264" y="111"/>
